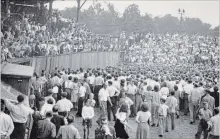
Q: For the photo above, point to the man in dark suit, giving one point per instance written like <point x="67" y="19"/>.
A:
<point x="57" y="120"/>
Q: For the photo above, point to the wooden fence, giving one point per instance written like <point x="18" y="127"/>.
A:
<point x="76" y="60"/>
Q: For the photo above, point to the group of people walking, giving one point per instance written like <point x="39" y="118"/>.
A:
<point x="120" y="96"/>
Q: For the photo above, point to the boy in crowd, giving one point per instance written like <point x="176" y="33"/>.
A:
<point x="162" y="111"/>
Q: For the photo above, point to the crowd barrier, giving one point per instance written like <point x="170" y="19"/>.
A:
<point x="76" y="60"/>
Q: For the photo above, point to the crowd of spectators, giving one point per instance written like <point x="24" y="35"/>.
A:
<point x="120" y="94"/>
<point x="27" y="38"/>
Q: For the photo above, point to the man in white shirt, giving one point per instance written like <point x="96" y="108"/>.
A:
<point x="103" y="98"/>
<point x="171" y="102"/>
<point x="19" y="114"/>
<point x="132" y="90"/>
<point x="91" y="81"/>
<point x="116" y="83"/>
<point x="214" y="125"/>
<point x="47" y="107"/>
<point x="55" y="80"/>
<point x="64" y="105"/>
<point x="113" y="94"/>
<point x="81" y="96"/>
<point x="6" y="123"/>
<point x="187" y="90"/>
<point x="68" y="87"/>
<point x="99" y="81"/>
<point x="164" y="90"/>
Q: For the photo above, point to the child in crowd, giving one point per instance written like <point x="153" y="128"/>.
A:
<point x="87" y="115"/>
<point x="162" y="111"/>
<point x="91" y="97"/>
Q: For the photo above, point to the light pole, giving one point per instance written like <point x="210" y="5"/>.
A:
<point x="181" y="12"/>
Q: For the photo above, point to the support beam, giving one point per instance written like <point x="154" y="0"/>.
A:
<point x="79" y="6"/>
<point x="50" y="8"/>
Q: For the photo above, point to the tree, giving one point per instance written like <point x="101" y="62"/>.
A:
<point x="131" y="18"/>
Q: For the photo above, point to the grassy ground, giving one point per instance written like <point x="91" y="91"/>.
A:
<point x="183" y="129"/>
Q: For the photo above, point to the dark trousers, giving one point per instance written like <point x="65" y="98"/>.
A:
<point x="37" y="100"/>
<point x="213" y="137"/>
<point x="91" y="88"/>
<point x="181" y="104"/>
<point x="96" y="94"/>
<point x="64" y="114"/>
<point x="186" y="103"/>
<point x="80" y="106"/>
<point x="133" y="107"/>
<point x="19" y="131"/>
<point x="69" y="91"/>
<point x="112" y="110"/>
<point x="172" y="117"/>
<point x="202" y="128"/>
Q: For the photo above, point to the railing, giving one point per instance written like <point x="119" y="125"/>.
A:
<point x="76" y="60"/>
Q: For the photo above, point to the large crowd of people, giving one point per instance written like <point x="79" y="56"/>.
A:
<point x="27" y="38"/>
<point x="162" y="77"/>
<point x="152" y="98"/>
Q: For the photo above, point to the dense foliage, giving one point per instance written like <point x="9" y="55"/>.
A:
<point x="109" y="21"/>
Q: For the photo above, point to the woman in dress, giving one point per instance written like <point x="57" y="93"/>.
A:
<point x="143" y="119"/>
<point x="120" y="123"/>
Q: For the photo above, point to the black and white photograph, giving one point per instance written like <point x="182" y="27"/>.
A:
<point x="110" y="69"/>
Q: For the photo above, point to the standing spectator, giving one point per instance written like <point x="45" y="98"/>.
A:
<point x="209" y="99"/>
<point x="87" y="115"/>
<point x="57" y="120"/>
<point x="86" y="85"/>
<point x="68" y="131"/>
<point x="91" y="81"/>
<point x="45" y="128"/>
<point x="204" y="115"/>
<point x="143" y="119"/>
<point x="132" y="90"/>
<point x="214" y="126"/>
<point x="36" y="117"/>
<point x="121" y="122"/>
<point x="37" y="87"/>
<point x="113" y="94"/>
<point x="74" y="95"/>
<point x="47" y="107"/>
<point x="162" y="111"/>
<point x="178" y="97"/>
<point x="64" y="105"/>
<point x="215" y="94"/>
<point x="164" y="91"/>
<point x="125" y="100"/>
<point x="99" y="81"/>
<point x="68" y="87"/>
<point x="103" y="98"/>
<point x="19" y="114"/>
<point x="155" y="104"/>
<point x="81" y="96"/>
<point x="55" y="80"/>
<point x="147" y="96"/>
<point x="187" y="90"/>
<point x="6" y="123"/>
<point x="171" y="102"/>
<point x="194" y="98"/>
<point x="50" y="96"/>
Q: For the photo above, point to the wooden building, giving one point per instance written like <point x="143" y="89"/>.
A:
<point x="18" y="76"/>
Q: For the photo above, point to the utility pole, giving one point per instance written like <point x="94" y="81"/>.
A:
<point x="79" y="6"/>
<point x="181" y="12"/>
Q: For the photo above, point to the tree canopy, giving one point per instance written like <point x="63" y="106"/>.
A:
<point x="109" y="21"/>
